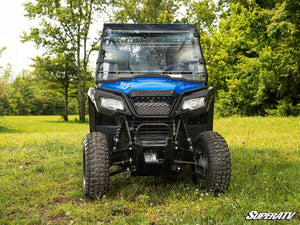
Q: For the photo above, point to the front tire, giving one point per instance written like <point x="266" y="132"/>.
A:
<point x="95" y="165"/>
<point x="213" y="169"/>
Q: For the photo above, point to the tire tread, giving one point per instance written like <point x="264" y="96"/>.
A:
<point x="219" y="162"/>
<point x="96" y="165"/>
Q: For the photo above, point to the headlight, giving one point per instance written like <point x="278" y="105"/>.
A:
<point x="193" y="103"/>
<point x="112" y="104"/>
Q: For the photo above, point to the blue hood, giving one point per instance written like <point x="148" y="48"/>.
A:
<point x="151" y="83"/>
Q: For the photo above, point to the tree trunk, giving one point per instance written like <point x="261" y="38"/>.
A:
<point x="83" y="94"/>
<point x="79" y="94"/>
<point x="85" y="57"/>
<point x="84" y="78"/>
<point x="80" y="103"/>
<point x="66" y="104"/>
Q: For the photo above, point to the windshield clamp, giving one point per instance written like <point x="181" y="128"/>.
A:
<point x="196" y="34"/>
<point x="202" y="61"/>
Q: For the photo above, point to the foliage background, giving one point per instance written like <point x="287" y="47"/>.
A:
<point x="252" y="49"/>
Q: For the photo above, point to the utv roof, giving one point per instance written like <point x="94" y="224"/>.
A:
<point x="127" y="26"/>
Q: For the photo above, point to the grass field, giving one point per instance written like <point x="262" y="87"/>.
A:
<point x="41" y="177"/>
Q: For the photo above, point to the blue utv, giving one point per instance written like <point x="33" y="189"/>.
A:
<point x="151" y="110"/>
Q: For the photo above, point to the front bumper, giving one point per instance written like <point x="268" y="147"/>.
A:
<point x="130" y="107"/>
<point x="152" y="143"/>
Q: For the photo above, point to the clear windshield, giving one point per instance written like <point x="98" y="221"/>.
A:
<point x="129" y="54"/>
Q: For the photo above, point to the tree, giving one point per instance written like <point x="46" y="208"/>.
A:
<point x="203" y="13"/>
<point x="21" y="95"/>
<point x="4" y="87"/>
<point x="65" y="26"/>
<point x="58" y="72"/>
<point x="253" y="56"/>
<point x="146" y="11"/>
<point x="4" y="76"/>
<point x="1" y="52"/>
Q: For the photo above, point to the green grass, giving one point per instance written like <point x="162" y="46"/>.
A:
<point x="41" y="177"/>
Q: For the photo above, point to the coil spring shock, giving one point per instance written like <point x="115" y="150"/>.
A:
<point x="187" y="132"/>
<point x="117" y="132"/>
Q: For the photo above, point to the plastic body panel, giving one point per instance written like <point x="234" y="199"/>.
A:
<point x="95" y="94"/>
<point x="151" y="83"/>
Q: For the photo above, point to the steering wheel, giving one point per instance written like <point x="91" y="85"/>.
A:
<point x="176" y="67"/>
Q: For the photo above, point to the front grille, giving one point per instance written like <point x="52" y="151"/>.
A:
<point x="150" y="127"/>
<point x="153" y="105"/>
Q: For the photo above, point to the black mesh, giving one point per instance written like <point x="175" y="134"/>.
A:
<point x="153" y="105"/>
<point x="148" y="129"/>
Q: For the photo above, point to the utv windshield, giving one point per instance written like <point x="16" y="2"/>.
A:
<point x="128" y="54"/>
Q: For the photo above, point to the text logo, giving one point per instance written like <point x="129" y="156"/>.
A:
<point x="254" y="215"/>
